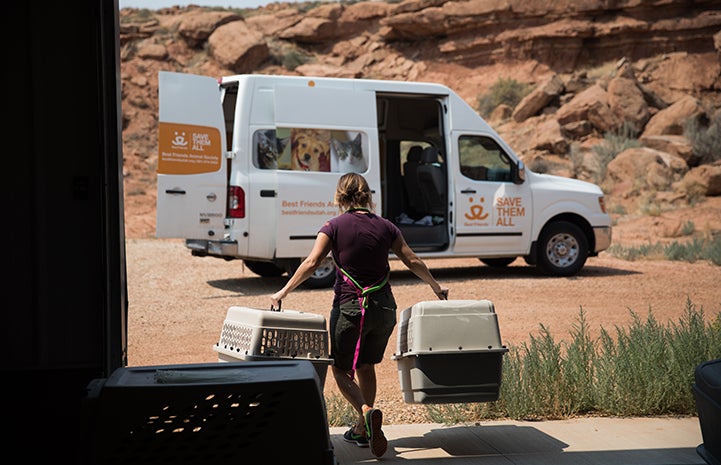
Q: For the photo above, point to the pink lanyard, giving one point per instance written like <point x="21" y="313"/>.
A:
<point x="362" y="293"/>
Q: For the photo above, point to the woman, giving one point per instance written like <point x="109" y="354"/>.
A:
<point x="364" y="310"/>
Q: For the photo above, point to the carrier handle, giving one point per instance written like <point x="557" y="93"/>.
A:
<point x="273" y="309"/>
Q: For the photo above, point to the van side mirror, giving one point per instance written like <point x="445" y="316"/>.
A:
<point x="519" y="175"/>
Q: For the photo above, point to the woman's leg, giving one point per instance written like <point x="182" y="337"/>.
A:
<point x="353" y="394"/>
<point x="366" y="375"/>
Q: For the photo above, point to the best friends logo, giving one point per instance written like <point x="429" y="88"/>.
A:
<point x="506" y="209"/>
<point x="188" y="149"/>
<point x="476" y="214"/>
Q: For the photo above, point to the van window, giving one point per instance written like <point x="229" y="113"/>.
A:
<point x="306" y="149"/>
<point x="482" y="159"/>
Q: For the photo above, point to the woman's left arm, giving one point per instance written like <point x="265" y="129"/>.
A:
<point x="417" y="266"/>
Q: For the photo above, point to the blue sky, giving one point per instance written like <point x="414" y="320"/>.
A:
<point x="156" y="4"/>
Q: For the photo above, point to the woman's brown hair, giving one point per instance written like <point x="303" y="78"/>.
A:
<point x="353" y="192"/>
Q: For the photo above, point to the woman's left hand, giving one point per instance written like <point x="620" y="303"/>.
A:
<point x="442" y="294"/>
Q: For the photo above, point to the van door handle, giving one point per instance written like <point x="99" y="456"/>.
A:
<point x="468" y="191"/>
<point x="267" y="193"/>
<point x="175" y="191"/>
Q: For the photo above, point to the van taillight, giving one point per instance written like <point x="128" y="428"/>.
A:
<point x="236" y="202"/>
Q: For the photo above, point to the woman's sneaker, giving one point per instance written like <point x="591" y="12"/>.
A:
<point x="376" y="438"/>
<point x="352" y="436"/>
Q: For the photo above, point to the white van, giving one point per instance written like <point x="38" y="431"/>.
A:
<point x="248" y="165"/>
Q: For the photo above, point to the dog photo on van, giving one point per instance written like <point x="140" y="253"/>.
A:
<point x="310" y="149"/>
<point x="346" y="152"/>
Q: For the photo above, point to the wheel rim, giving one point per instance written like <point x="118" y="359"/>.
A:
<point x="562" y="250"/>
<point x="326" y="268"/>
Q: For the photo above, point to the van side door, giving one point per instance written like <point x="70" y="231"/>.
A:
<point x="330" y="129"/>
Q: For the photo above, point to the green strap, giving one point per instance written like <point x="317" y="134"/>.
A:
<point x="363" y="292"/>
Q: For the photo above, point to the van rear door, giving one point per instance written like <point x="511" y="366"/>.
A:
<point x="192" y="172"/>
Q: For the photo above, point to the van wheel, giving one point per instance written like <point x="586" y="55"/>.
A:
<point x="498" y="262"/>
<point x="323" y="277"/>
<point x="562" y="249"/>
<point x="264" y="269"/>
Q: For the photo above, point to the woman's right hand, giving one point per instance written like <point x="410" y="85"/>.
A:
<point x="442" y="294"/>
<point x="276" y="298"/>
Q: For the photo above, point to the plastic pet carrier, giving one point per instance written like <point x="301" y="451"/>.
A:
<point x="251" y="334"/>
<point x="707" y="392"/>
<point x="449" y="351"/>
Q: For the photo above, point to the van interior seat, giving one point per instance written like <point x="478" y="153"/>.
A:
<point x="414" y="198"/>
<point x="432" y="182"/>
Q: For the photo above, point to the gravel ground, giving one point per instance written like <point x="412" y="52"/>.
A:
<point x="177" y="303"/>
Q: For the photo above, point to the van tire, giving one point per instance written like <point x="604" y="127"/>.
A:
<point x="498" y="262"/>
<point x="562" y="249"/>
<point x="323" y="277"/>
<point x="264" y="269"/>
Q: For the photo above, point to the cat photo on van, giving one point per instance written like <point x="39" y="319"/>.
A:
<point x="346" y="153"/>
<point x="269" y="149"/>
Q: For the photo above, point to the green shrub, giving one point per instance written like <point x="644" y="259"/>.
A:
<point x="578" y="368"/>
<point x="634" y="379"/>
<point x="712" y="251"/>
<point x="293" y="58"/>
<point x="705" y="138"/>
<point x="506" y="91"/>
<point x="689" y="251"/>
<point x="614" y="142"/>
<point x="633" y="253"/>
<point x="141" y="15"/>
<point x="688" y="228"/>
<point x="686" y="252"/>
<point x="339" y="411"/>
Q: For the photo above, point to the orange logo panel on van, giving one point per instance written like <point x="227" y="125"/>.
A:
<point x="188" y="149"/>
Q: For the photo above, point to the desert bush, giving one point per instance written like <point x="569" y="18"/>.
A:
<point x="505" y="90"/>
<point x="287" y="55"/>
<point x="134" y="16"/>
<point x="339" y="411"/>
<point x="614" y="142"/>
<point x="688" y="228"/>
<point x="698" y="248"/>
<point x="705" y="138"/>
<point x="292" y="59"/>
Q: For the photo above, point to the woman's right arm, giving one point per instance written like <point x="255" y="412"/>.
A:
<point x="417" y="266"/>
<point x="321" y="248"/>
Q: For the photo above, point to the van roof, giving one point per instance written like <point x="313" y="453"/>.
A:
<point x="377" y="85"/>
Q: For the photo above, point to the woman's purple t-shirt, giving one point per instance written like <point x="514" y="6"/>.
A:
<point x="361" y="243"/>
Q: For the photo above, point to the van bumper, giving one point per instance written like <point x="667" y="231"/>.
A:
<point x="203" y="248"/>
<point x="602" y="236"/>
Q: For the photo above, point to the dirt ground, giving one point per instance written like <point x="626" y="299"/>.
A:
<point x="177" y="303"/>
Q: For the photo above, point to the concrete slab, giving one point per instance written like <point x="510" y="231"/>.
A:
<point x="582" y="441"/>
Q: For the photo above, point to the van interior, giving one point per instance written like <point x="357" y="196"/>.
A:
<point x="414" y="169"/>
